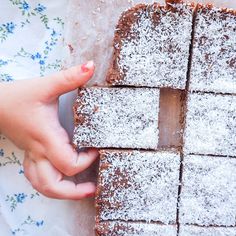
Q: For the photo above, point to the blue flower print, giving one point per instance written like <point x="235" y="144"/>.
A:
<point x="36" y="56"/>
<point x="15" y="199"/>
<point x="26" y="224"/>
<point x="41" y="62"/>
<point x="40" y="8"/>
<point x="5" y="78"/>
<point x="20" y="197"/>
<point x="14" y="232"/>
<point x="34" y="195"/>
<point x="25" y="6"/>
<point x="39" y="57"/>
<point x="39" y="223"/>
<point x="6" y="29"/>
<point x="21" y="171"/>
<point x="8" y="78"/>
<point x="10" y="160"/>
<point x="9" y="27"/>
<point x="53" y="34"/>
<point x="42" y="56"/>
<point x="59" y="21"/>
<point x="3" y="63"/>
<point x="1" y="153"/>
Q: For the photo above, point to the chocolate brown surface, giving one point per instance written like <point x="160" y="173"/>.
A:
<point x="119" y="228"/>
<point x="124" y="25"/>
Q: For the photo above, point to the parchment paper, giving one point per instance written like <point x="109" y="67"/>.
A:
<point x="90" y="28"/>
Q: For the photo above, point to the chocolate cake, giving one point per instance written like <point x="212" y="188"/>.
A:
<point x="151" y="46"/>
<point x="210" y="124"/>
<point x="138" y="186"/>
<point x="142" y="189"/>
<point x="118" y="228"/>
<point x="208" y="196"/>
<point x="206" y="231"/>
<point x="117" y="118"/>
<point x="214" y="51"/>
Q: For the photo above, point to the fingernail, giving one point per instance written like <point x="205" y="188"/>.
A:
<point x="87" y="66"/>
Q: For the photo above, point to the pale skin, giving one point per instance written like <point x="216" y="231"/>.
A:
<point x="29" y="117"/>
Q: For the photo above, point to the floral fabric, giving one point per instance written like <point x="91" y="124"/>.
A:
<point x="31" y="34"/>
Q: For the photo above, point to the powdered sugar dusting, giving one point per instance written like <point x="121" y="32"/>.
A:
<point x="117" y="117"/>
<point x="208" y="231"/>
<point x="210" y="124"/>
<point x="137" y="185"/>
<point x="214" y="52"/>
<point x="208" y="191"/>
<point x="114" y="228"/>
<point x="156" y="52"/>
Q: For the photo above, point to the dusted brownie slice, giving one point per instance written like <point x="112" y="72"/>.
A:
<point x="117" y="117"/>
<point x="214" y="51"/>
<point x="210" y="124"/>
<point x="138" y="186"/>
<point x="151" y="46"/>
<point x="206" y="231"/>
<point x="119" y="228"/>
<point x="208" y="195"/>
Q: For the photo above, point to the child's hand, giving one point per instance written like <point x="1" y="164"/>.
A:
<point x="29" y="117"/>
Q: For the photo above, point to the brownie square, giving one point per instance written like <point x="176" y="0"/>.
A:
<point x="119" y="228"/>
<point x="138" y="186"/>
<point x="210" y="125"/>
<point x="117" y="117"/>
<point x="192" y="230"/>
<point x="151" y="46"/>
<point x="208" y="192"/>
<point x="214" y="51"/>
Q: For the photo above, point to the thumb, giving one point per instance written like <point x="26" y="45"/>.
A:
<point x="70" y="79"/>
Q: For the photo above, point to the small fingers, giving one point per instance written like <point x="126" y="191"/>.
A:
<point x="85" y="159"/>
<point x="59" y="151"/>
<point x="52" y="184"/>
<point x="46" y="179"/>
<point x="70" y="79"/>
<point x="30" y="170"/>
<point x="67" y="160"/>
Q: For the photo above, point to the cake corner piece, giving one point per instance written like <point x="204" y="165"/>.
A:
<point x="137" y="58"/>
<point x="215" y="45"/>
